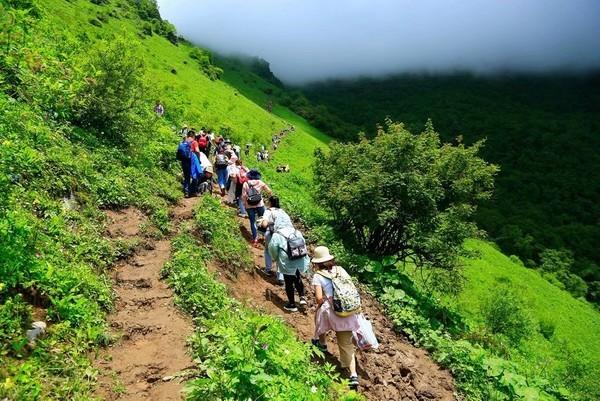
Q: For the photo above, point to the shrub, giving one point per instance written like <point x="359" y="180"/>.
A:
<point x="547" y="329"/>
<point x="112" y="91"/>
<point x="405" y="194"/>
<point x="505" y="313"/>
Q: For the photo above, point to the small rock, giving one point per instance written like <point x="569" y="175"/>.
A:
<point x="153" y="378"/>
<point x="168" y="378"/>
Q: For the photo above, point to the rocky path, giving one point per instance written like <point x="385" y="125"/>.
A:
<point x="395" y="371"/>
<point x="150" y="359"/>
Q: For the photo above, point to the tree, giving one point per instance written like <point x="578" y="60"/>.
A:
<point x="113" y="89"/>
<point x="405" y="194"/>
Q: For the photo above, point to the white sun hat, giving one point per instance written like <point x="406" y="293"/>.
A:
<point x="321" y="255"/>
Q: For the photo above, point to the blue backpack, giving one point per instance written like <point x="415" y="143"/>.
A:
<point x="184" y="151"/>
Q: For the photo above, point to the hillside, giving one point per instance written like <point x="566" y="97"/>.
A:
<point x="541" y="130"/>
<point x="65" y="175"/>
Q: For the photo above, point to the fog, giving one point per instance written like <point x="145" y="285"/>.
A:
<point x="307" y="40"/>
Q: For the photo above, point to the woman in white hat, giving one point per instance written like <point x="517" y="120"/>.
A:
<point x="325" y="318"/>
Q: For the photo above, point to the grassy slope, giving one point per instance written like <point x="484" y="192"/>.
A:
<point x="204" y="102"/>
<point x="577" y="322"/>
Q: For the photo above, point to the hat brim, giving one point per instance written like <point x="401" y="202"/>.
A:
<point x="322" y="260"/>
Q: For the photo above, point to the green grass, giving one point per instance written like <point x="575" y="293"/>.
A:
<point x="577" y="323"/>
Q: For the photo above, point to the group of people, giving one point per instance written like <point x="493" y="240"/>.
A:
<point x="204" y="156"/>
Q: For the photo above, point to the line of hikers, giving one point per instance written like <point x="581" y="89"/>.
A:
<point x="285" y="250"/>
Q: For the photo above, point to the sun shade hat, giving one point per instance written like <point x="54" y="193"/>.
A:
<point x="209" y="169"/>
<point x="253" y="175"/>
<point x="321" y="255"/>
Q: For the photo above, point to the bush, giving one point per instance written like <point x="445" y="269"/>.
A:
<point x="113" y="90"/>
<point x="547" y="329"/>
<point x="504" y="313"/>
<point x="405" y="194"/>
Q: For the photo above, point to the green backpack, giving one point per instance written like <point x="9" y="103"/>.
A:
<point x="346" y="298"/>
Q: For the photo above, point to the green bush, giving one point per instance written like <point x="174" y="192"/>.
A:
<point x="113" y="91"/>
<point x="405" y="194"/>
<point x="505" y="313"/>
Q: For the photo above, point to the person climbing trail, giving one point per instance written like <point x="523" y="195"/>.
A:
<point x="184" y="155"/>
<point x="239" y="186"/>
<point x="273" y="214"/>
<point x="221" y="163"/>
<point x="253" y="200"/>
<point x="327" y="317"/>
<point x="284" y="248"/>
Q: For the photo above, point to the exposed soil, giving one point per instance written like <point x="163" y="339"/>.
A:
<point x="150" y="359"/>
<point x="395" y="371"/>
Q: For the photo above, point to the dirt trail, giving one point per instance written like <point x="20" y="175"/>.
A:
<point x="150" y="358"/>
<point x="395" y="371"/>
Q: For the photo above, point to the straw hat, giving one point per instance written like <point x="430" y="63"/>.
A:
<point x="321" y="255"/>
<point x="209" y="169"/>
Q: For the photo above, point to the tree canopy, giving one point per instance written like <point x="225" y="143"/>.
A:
<point x="405" y="194"/>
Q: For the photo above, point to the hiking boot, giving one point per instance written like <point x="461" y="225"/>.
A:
<point x="290" y="307"/>
<point x="269" y="273"/>
<point x="303" y="301"/>
<point x="353" y="382"/>
<point x="321" y="347"/>
<point x="280" y="282"/>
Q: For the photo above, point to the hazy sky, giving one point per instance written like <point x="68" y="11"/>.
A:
<point x="314" y="39"/>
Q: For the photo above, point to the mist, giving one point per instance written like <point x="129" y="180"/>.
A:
<point x="309" y="40"/>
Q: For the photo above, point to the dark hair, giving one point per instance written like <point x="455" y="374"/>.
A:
<point x="190" y="134"/>
<point x="274" y="201"/>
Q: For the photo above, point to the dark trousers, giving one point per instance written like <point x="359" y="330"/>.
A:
<point x="291" y="281"/>
<point x="186" y="169"/>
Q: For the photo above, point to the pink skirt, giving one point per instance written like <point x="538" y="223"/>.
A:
<point x="327" y="320"/>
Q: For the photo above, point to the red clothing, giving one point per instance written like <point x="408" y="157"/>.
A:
<point x="195" y="147"/>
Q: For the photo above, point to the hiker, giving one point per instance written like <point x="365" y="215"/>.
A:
<point x="288" y="249"/>
<point x="196" y="172"/>
<point x="202" y="142"/>
<point x="247" y="150"/>
<point x="253" y="201"/>
<point x="240" y="180"/>
<point x="232" y="173"/>
<point x="209" y="141"/>
<point x="273" y="214"/>
<point x="326" y="319"/>
<point x="221" y="163"/>
<point x="159" y="109"/>
<point x="205" y="181"/>
<point x="184" y="155"/>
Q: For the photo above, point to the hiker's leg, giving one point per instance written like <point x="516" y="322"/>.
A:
<point x="268" y="260"/>
<point x="289" y="287"/>
<point x="187" y="175"/>
<point x="242" y="207"/>
<point x="252" y="218"/>
<point x="299" y="284"/>
<point x="347" y="360"/>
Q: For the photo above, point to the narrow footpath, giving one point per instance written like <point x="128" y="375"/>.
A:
<point x="150" y="358"/>
<point x="395" y="371"/>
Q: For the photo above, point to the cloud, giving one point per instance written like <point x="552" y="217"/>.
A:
<point x="306" y="40"/>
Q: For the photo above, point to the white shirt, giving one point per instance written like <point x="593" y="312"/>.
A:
<point x="204" y="160"/>
<point x="326" y="283"/>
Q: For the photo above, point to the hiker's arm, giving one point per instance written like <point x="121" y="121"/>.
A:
<point x="267" y="189"/>
<point x="319" y="295"/>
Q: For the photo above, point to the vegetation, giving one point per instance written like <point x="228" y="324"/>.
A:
<point x="59" y="167"/>
<point x="542" y="131"/>
<point x="405" y="194"/>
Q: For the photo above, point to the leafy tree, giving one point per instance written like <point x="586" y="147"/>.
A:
<point x="405" y="194"/>
<point x="113" y="90"/>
